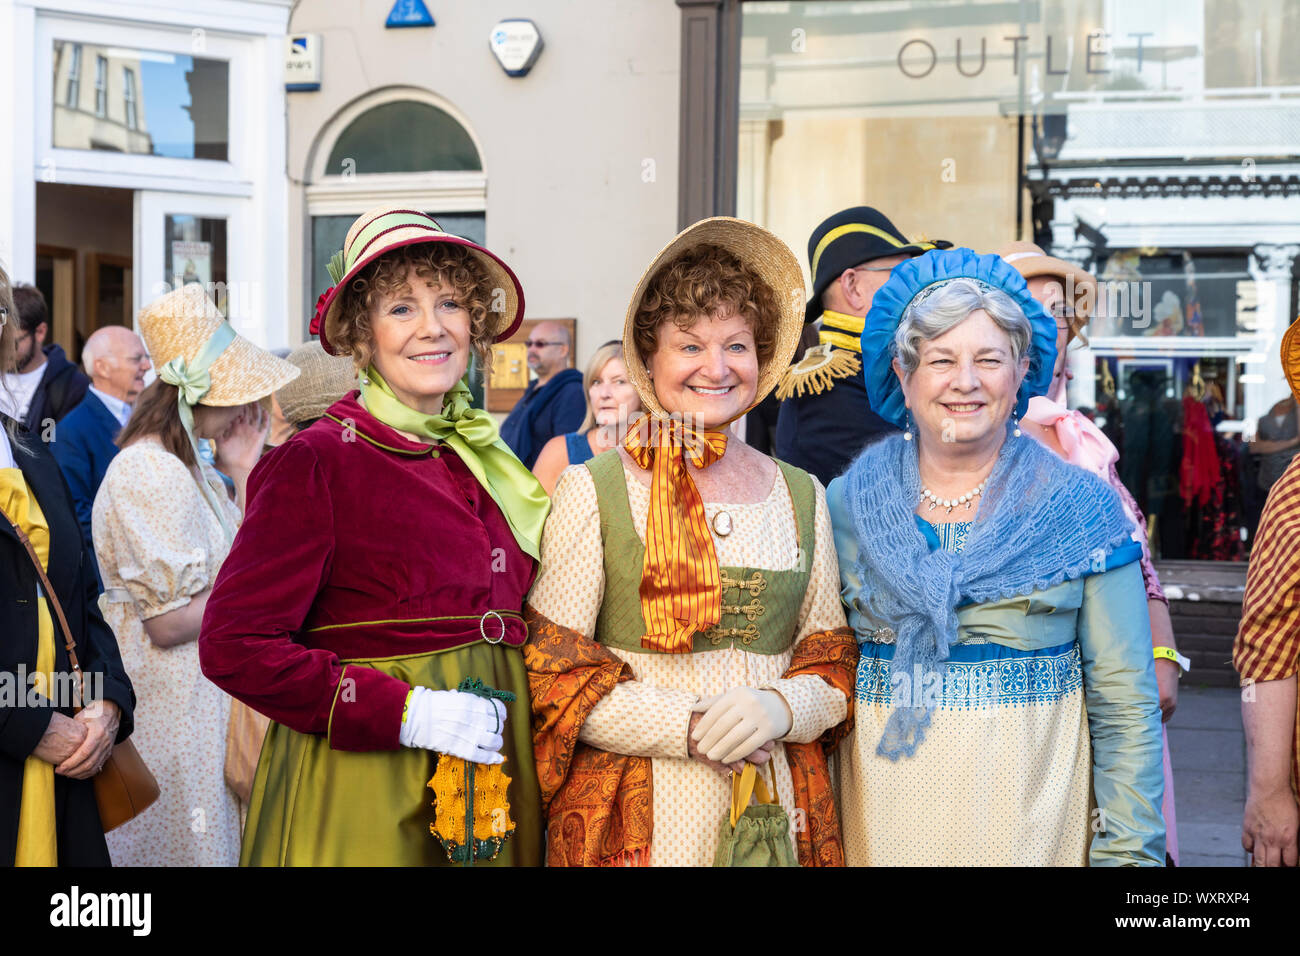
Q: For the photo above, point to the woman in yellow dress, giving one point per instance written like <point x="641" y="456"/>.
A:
<point x="49" y="751"/>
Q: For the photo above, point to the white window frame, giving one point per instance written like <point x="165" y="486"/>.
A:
<point x="130" y="171"/>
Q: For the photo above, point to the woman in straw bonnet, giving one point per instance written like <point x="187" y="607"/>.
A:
<point x="686" y="615"/>
<point x="49" y="751"/>
<point x="162" y="524"/>
<point x="1005" y="679"/>
<point x="401" y="535"/>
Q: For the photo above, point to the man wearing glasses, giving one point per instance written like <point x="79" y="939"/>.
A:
<point x="554" y="403"/>
<point x="825" y="418"/>
<point x="44" y="385"/>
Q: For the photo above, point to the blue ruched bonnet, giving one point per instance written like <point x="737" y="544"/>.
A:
<point x="906" y="282"/>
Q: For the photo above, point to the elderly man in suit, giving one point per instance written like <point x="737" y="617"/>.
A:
<point x="116" y="361"/>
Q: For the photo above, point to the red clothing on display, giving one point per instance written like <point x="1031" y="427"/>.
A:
<point x="1200" y="467"/>
<point x="357" y="543"/>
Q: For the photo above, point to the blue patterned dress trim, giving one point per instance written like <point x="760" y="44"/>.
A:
<point x="977" y="676"/>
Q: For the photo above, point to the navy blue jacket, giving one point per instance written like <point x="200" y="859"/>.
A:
<point x="822" y="433"/>
<point x="59" y="391"/>
<point x="554" y="409"/>
<point x="83" y="447"/>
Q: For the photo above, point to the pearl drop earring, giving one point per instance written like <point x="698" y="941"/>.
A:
<point x="1016" y="432"/>
<point x="907" y="433"/>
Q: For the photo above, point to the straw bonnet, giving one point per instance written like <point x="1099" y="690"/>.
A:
<point x="324" y="380"/>
<point x="1030" y="260"/>
<point x="386" y="228"/>
<point x="761" y="251"/>
<point x="178" y="326"/>
<point x="1291" y="358"/>
<point x="917" y="278"/>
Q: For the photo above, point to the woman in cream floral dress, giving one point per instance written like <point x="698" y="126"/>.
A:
<point x="160" y="537"/>
<point x="685" y="617"/>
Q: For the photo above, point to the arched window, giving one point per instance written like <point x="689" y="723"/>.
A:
<point x="396" y="146"/>
<point x="404" y="136"/>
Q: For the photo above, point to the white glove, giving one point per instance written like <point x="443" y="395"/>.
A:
<point x="456" y="723"/>
<point x="737" y="723"/>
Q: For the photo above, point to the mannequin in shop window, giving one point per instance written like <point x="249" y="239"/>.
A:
<point x="1277" y="440"/>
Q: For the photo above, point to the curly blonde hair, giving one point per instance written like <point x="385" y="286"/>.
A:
<point x="702" y="282"/>
<point x="453" y="265"/>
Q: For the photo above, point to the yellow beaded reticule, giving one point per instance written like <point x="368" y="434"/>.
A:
<point x="471" y="800"/>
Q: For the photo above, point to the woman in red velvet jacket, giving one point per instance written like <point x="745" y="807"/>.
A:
<point x="384" y="558"/>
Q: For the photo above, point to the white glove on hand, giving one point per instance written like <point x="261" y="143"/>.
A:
<point x="451" y="722"/>
<point x="737" y="723"/>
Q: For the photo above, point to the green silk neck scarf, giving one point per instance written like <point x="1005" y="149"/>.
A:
<point x="193" y="382"/>
<point x="472" y="434"/>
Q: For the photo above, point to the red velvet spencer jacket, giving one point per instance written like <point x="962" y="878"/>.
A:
<point x="357" y="543"/>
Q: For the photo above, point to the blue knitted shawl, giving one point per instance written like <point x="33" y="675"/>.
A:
<point x="1039" y="522"/>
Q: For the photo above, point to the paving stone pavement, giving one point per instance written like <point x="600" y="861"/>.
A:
<point x="1208" y="752"/>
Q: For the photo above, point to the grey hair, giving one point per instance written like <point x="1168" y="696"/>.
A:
<point x="945" y="305"/>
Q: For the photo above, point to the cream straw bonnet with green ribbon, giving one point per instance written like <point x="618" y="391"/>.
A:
<point x="194" y="348"/>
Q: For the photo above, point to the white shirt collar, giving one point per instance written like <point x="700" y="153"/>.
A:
<point x="6" y="450"/>
<point x="120" y="409"/>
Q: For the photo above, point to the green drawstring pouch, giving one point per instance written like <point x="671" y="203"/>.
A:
<point x="757" y="835"/>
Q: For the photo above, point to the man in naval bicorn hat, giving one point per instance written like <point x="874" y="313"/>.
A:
<point x="825" y="419"/>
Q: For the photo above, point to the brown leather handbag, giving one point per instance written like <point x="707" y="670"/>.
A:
<point x="124" y="787"/>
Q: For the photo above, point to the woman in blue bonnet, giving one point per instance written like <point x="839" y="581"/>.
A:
<point x="1007" y="710"/>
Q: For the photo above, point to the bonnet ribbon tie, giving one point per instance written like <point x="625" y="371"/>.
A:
<point x="681" y="586"/>
<point x="193" y="381"/>
<point x="473" y="435"/>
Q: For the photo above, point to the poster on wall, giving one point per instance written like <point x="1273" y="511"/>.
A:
<point x="191" y="262"/>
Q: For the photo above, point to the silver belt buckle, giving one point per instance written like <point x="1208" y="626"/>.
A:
<point x="483" y="631"/>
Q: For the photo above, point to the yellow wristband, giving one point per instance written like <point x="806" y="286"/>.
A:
<point x="1169" y="654"/>
<point x="406" y="703"/>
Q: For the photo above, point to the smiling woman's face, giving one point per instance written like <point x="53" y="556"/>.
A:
<point x="708" y="371"/>
<point x="964" y="389"/>
<point x="613" y="399"/>
<point x="421" y="340"/>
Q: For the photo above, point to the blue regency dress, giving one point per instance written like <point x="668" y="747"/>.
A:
<point x="1038" y="713"/>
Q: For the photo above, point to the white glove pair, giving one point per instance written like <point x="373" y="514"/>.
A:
<point x="453" y="722"/>
<point x="737" y="723"/>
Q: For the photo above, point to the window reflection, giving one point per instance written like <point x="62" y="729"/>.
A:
<point x="144" y="102"/>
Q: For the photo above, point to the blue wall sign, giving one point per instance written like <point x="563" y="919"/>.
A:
<point x="409" y="13"/>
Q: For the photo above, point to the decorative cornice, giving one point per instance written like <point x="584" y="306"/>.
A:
<point x="1225" y="185"/>
<point x="1275" y="259"/>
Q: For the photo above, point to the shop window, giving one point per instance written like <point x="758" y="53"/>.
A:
<point x="403" y="137"/>
<point x="1160" y="293"/>
<point x="195" y="250"/>
<point x="174" y="105"/>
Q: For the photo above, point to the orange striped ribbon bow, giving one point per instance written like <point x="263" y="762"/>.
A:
<point x="681" y="586"/>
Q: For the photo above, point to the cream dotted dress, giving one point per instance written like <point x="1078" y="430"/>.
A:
<point x="159" y="543"/>
<point x="649" y="716"/>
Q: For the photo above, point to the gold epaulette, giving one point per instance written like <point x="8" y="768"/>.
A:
<point x="817" y="371"/>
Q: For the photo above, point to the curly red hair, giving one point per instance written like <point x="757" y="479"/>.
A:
<point x="705" y="280"/>
<point x="446" y="263"/>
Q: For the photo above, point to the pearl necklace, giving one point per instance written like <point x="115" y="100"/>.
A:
<point x="967" y="499"/>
